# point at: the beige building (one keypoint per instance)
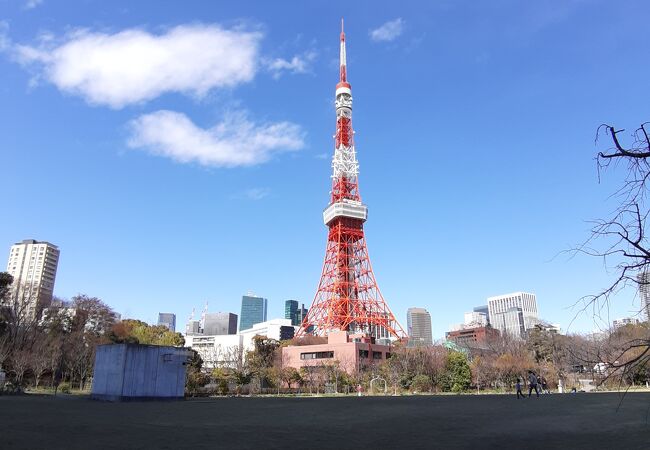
(33, 265)
(350, 352)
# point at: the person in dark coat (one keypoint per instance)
(532, 383)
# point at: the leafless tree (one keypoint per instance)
(620, 240)
(20, 364)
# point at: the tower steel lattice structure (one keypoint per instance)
(348, 298)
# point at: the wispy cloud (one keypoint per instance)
(253, 194)
(389, 31)
(235, 141)
(134, 66)
(297, 64)
(31, 4)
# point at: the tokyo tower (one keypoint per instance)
(347, 298)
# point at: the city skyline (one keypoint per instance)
(498, 109)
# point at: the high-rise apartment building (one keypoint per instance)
(643, 279)
(291, 311)
(33, 265)
(418, 323)
(168, 320)
(215, 324)
(253, 310)
(514, 313)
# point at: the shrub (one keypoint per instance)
(458, 375)
(421, 383)
(64, 388)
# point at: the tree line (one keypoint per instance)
(495, 365)
(57, 345)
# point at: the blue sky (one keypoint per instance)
(178, 153)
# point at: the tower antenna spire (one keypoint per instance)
(343, 69)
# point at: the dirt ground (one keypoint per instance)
(487, 421)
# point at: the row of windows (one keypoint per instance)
(317, 355)
(375, 355)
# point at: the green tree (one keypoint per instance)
(262, 358)
(458, 375)
(195, 378)
(5, 284)
(421, 383)
(138, 332)
(221, 378)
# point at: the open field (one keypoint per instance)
(485, 421)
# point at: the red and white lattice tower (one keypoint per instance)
(348, 298)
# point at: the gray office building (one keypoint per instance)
(253, 310)
(418, 322)
(168, 320)
(219, 323)
(193, 327)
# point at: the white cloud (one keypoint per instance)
(31, 4)
(235, 141)
(297, 64)
(134, 65)
(388, 31)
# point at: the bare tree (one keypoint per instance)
(620, 240)
(5, 349)
(20, 364)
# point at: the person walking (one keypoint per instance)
(532, 383)
(545, 388)
(518, 386)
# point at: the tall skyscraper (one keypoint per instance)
(291, 311)
(418, 323)
(514, 313)
(168, 320)
(219, 323)
(643, 279)
(253, 310)
(33, 265)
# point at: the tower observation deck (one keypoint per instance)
(347, 298)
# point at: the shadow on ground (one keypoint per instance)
(486, 421)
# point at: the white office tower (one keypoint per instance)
(514, 313)
(33, 265)
(418, 323)
(475, 319)
(643, 279)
